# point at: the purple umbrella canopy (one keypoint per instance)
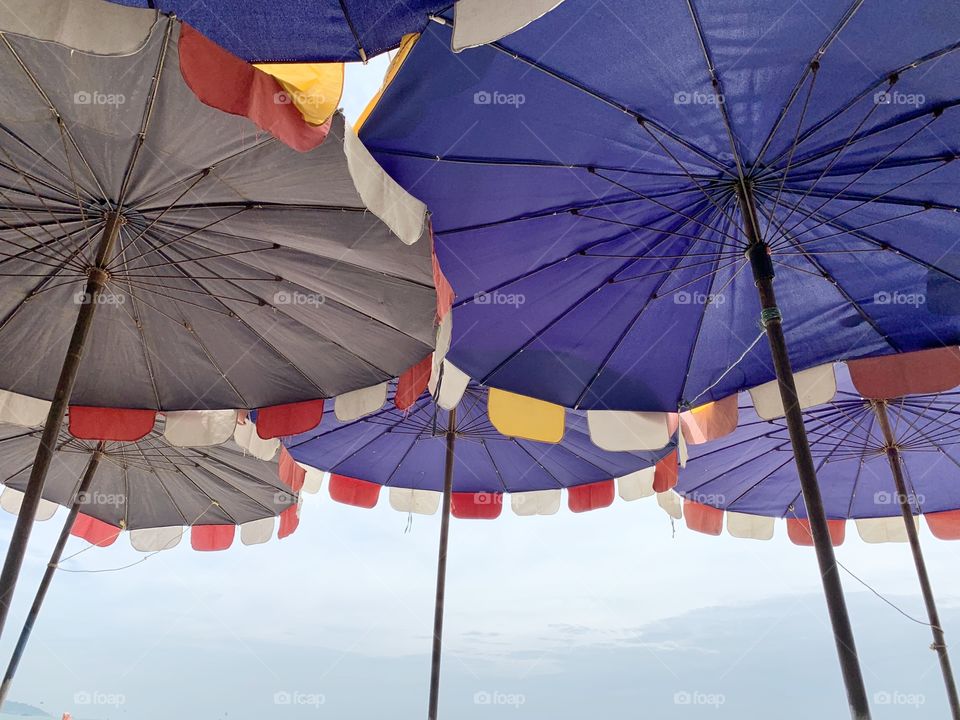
(405, 451)
(751, 470)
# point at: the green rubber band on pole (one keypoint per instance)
(767, 315)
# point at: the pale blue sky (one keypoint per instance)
(610, 614)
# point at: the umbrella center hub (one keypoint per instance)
(98, 275)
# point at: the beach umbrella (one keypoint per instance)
(883, 457)
(149, 488)
(456, 457)
(175, 236)
(288, 31)
(614, 186)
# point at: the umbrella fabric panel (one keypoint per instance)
(299, 31)
(407, 450)
(752, 470)
(149, 484)
(234, 284)
(632, 199)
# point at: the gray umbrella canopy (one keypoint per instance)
(159, 250)
(244, 273)
(149, 487)
(151, 483)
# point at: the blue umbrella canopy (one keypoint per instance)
(751, 470)
(407, 450)
(297, 31)
(292, 31)
(617, 189)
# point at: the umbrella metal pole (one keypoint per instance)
(442, 567)
(96, 280)
(48, 574)
(763, 274)
(939, 642)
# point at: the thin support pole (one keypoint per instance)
(939, 641)
(96, 280)
(763, 274)
(442, 567)
(52, 566)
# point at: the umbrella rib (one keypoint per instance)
(887, 164)
(822, 272)
(700, 323)
(233, 237)
(572, 209)
(885, 200)
(649, 198)
(717, 86)
(621, 267)
(40, 156)
(157, 248)
(213, 503)
(73, 178)
(223, 479)
(493, 462)
(138, 323)
(182, 323)
(807, 243)
(216, 460)
(862, 174)
(831, 222)
(38, 287)
(833, 161)
(57, 253)
(867, 202)
(620, 340)
(914, 429)
(610, 103)
(857, 137)
(812, 66)
(396, 469)
(516, 442)
(147, 112)
(552, 263)
(137, 205)
(738, 468)
(793, 147)
(36, 180)
(323, 393)
(154, 221)
(816, 127)
(503, 162)
(56, 261)
(751, 487)
(53, 109)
